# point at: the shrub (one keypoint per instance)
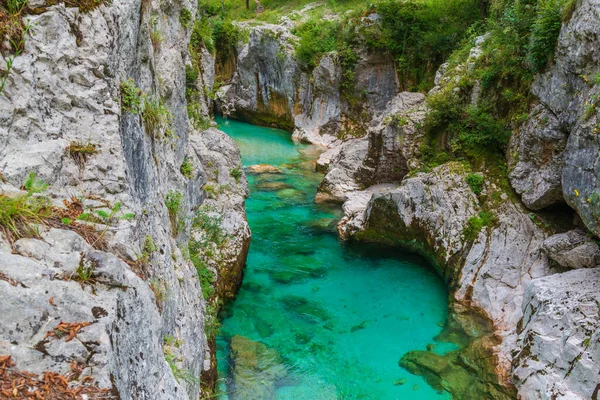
(476, 182)
(422, 35)
(544, 35)
(236, 173)
(131, 97)
(202, 34)
(173, 204)
(20, 214)
(157, 117)
(316, 39)
(476, 223)
(185, 17)
(187, 169)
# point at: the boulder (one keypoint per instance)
(573, 249)
(558, 344)
(536, 160)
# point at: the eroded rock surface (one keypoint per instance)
(63, 90)
(269, 86)
(537, 157)
(559, 346)
(573, 249)
(568, 92)
(385, 155)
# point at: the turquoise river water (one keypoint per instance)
(339, 316)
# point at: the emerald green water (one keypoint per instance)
(340, 316)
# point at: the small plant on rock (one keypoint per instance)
(80, 151)
(185, 17)
(236, 173)
(157, 117)
(156, 36)
(131, 97)
(173, 204)
(20, 215)
(187, 169)
(476, 182)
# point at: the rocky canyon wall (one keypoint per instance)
(128, 295)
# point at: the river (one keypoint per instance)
(317, 318)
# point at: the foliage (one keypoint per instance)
(157, 117)
(187, 169)
(476, 182)
(84, 272)
(170, 347)
(185, 17)
(212, 325)
(476, 223)
(14, 30)
(545, 30)
(227, 35)
(20, 214)
(173, 204)
(202, 34)
(316, 39)
(131, 97)
(421, 35)
(80, 151)
(236, 173)
(156, 36)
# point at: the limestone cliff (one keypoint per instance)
(111, 80)
(268, 85)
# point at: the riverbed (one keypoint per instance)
(318, 318)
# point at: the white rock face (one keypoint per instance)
(559, 343)
(573, 249)
(386, 154)
(536, 159)
(270, 86)
(65, 87)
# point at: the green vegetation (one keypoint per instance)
(131, 97)
(187, 169)
(201, 246)
(185, 17)
(316, 39)
(80, 151)
(20, 215)
(84, 272)
(156, 36)
(236, 173)
(476, 223)
(476, 182)
(157, 118)
(173, 204)
(170, 347)
(13, 31)
(421, 35)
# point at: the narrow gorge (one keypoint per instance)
(424, 225)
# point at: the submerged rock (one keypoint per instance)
(263, 168)
(255, 369)
(273, 186)
(305, 309)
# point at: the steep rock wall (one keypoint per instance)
(270, 86)
(143, 299)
